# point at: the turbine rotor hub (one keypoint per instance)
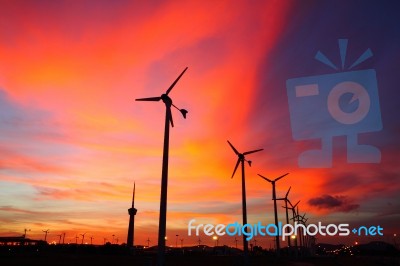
(166, 99)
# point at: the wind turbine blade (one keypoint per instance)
(234, 171)
(177, 79)
(233, 148)
(294, 206)
(290, 203)
(150, 99)
(248, 152)
(282, 176)
(265, 178)
(287, 193)
(170, 117)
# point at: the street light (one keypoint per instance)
(215, 238)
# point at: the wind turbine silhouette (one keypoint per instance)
(275, 210)
(83, 237)
(301, 231)
(164, 177)
(45, 234)
(286, 207)
(293, 208)
(241, 160)
(301, 219)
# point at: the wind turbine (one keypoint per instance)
(83, 237)
(301, 219)
(241, 160)
(164, 177)
(275, 210)
(298, 219)
(305, 237)
(293, 208)
(45, 234)
(287, 211)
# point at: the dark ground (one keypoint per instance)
(12, 256)
(87, 259)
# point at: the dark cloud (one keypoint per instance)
(336, 203)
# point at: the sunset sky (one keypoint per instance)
(73, 140)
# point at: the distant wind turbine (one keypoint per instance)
(300, 219)
(45, 234)
(287, 210)
(293, 208)
(164, 179)
(275, 209)
(83, 237)
(241, 160)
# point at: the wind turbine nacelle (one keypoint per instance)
(166, 99)
(132, 211)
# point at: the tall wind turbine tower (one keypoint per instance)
(132, 212)
(241, 160)
(162, 225)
